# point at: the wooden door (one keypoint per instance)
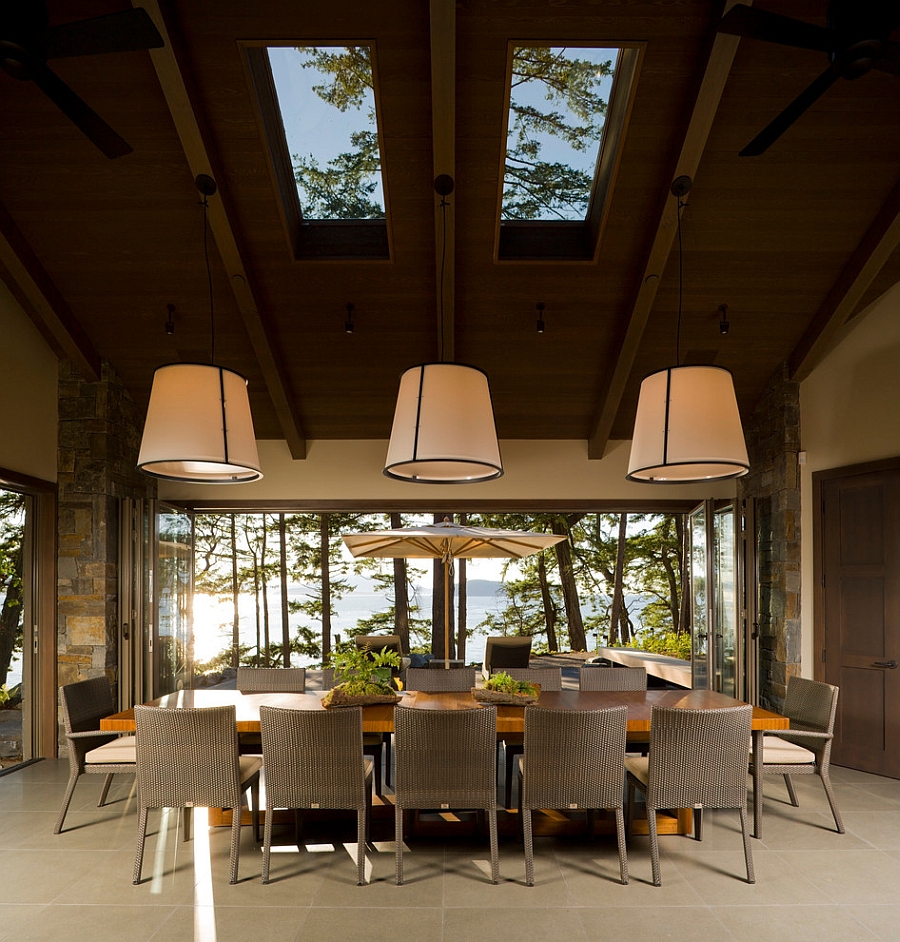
(858, 615)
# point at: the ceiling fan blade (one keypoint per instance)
(751, 23)
(889, 60)
(127, 31)
(776, 128)
(81, 114)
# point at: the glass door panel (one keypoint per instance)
(699, 589)
(173, 646)
(725, 658)
(16, 641)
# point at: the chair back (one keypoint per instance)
(445, 758)
(574, 758)
(379, 643)
(440, 680)
(699, 757)
(187, 757)
(271, 679)
(313, 758)
(612, 678)
(550, 678)
(811, 706)
(506, 651)
(84, 704)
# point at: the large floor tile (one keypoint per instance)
(422, 923)
(684, 923)
(792, 923)
(882, 920)
(96, 923)
(232, 924)
(851, 876)
(523, 925)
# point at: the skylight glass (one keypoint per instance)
(558, 102)
(326, 95)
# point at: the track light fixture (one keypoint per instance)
(348, 324)
(540, 317)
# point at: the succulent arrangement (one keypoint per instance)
(503, 683)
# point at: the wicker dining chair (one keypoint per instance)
(698, 758)
(187, 758)
(375, 745)
(440, 680)
(314, 759)
(806, 748)
(271, 679)
(91, 751)
(445, 759)
(573, 759)
(550, 679)
(503, 651)
(612, 678)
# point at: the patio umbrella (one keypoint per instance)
(448, 541)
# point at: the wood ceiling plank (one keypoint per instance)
(33, 288)
(705, 106)
(873, 251)
(184, 114)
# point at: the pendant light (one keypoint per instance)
(199, 428)
(688, 427)
(443, 431)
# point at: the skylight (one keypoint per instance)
(556, 127)
(326, 99)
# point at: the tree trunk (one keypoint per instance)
(550, 613)
(672, 575)
(11, 616)
(684, 622)
(265, 588)
(615, 611)
(401, 594)
(461, 604)
(437, 607)
(324, 549)
(285, 613)
(236, 623)
(577, 640)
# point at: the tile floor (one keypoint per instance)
(812, 884)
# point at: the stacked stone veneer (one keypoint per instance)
(773, 443)
(99, 438)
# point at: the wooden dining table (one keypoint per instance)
(510, 719)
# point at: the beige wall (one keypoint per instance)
(850, 413)
(28, 382)
(534, 470)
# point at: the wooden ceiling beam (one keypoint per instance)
(706, 104)
(873, 251)
(34, 289)
(443, 131)
(185, 115)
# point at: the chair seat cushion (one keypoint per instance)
(778, 751)
(250, 765)
(639, 767)
(118, 752)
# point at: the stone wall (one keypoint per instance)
(99, 438)
(773, 443)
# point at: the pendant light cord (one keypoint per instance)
(679, 210)
(209, 284)
(443, 205)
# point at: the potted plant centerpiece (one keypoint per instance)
(503, 689)
(362, 677)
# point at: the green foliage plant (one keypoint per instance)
(503, 683)
(663, 642)
(363, 672)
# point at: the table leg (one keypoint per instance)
(757, 740)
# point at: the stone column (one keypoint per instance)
(773, 443)
(99, 438)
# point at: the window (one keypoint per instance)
(566, 111)
(318, 110)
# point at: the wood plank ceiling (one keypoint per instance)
(795, 242)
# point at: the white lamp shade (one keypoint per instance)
(687, 428)
(443, 429)
(198, 427)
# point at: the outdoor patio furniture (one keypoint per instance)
(612, 678)
(313, 759)
(698, 758)
(446, 759)
(505, 651)
(271, 679)
(189, 757)
(811, 707)
(435, 681)
(91, 752)
(550, 679)
(573, 760)
(384, 643)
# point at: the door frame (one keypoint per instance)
(818, 480)
(39, 628)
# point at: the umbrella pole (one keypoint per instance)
(446, 614)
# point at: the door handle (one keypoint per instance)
(891, 665)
